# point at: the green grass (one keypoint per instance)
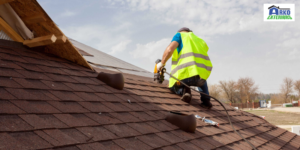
(277, 117)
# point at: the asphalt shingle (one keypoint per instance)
(61, 105)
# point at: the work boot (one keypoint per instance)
(186, 97)
(206, 104)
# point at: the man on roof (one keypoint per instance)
(190, 64)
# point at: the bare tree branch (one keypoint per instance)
(229, 88)
(247, 89)
(286, 88)
(214, 90)
(297, 87)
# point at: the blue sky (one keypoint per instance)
(138, 31)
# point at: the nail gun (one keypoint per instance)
(159, 74)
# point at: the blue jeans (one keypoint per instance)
(192, 81)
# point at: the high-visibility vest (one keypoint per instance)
(192, 60)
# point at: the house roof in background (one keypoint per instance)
(51, 103)
(105, 61)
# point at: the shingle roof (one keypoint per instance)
(103, 58)
(50, 103)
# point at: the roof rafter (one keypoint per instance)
(10, 31)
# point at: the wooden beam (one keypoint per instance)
(10, 31)
(5, 1)
(40, 41)
(61, 39)
(34, 19)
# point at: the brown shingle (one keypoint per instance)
(6, 72)
(60, 136)
(103, 118)
(74, 121)
(47, 137)
(188, 145)
(32, 84)
(9, 64)
(12, 58)
(153, 140)
(118, 107)
(26, 94)
(35, 121)
(13, 123)
(32, 75)
(68, 107)
(35, 106)
(99, 88)
(88, 96)
(56, 85)
(105, 145)
(76, 134)
(160, 125)
(95, 107)
(132, 143)
(5, 95)
(172, 147)
(125, 117)
(83, 80)
(142, 116)
(7, 107)
(66, 96)
(9, 82)
(143, 127)
(62, 78)
(122, 130)
(79, 87)
(29, 140)
(29, 67)
(52, 70)
(97, 133)
(170, 137)
(109, 97)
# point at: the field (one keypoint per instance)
(277, 117)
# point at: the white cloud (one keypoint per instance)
(119, 47)
(152, 50)
(68, 13)
(210, 18)
(99, 36)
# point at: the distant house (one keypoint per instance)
(273, 10)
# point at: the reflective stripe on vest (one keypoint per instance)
(190, 64)
(188, 55)
(192, 59)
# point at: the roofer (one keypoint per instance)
(190, 64)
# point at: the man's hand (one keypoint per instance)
(160, 66)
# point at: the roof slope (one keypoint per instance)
(103, 58)
(50, 103)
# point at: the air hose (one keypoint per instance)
(164, 70)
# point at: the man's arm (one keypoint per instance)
(169, 51)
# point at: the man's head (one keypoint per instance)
(184, 29)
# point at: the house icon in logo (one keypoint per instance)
(273, 10)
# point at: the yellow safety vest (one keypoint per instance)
(192, 59)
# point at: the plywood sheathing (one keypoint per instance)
(30, 8)
(5, 1)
